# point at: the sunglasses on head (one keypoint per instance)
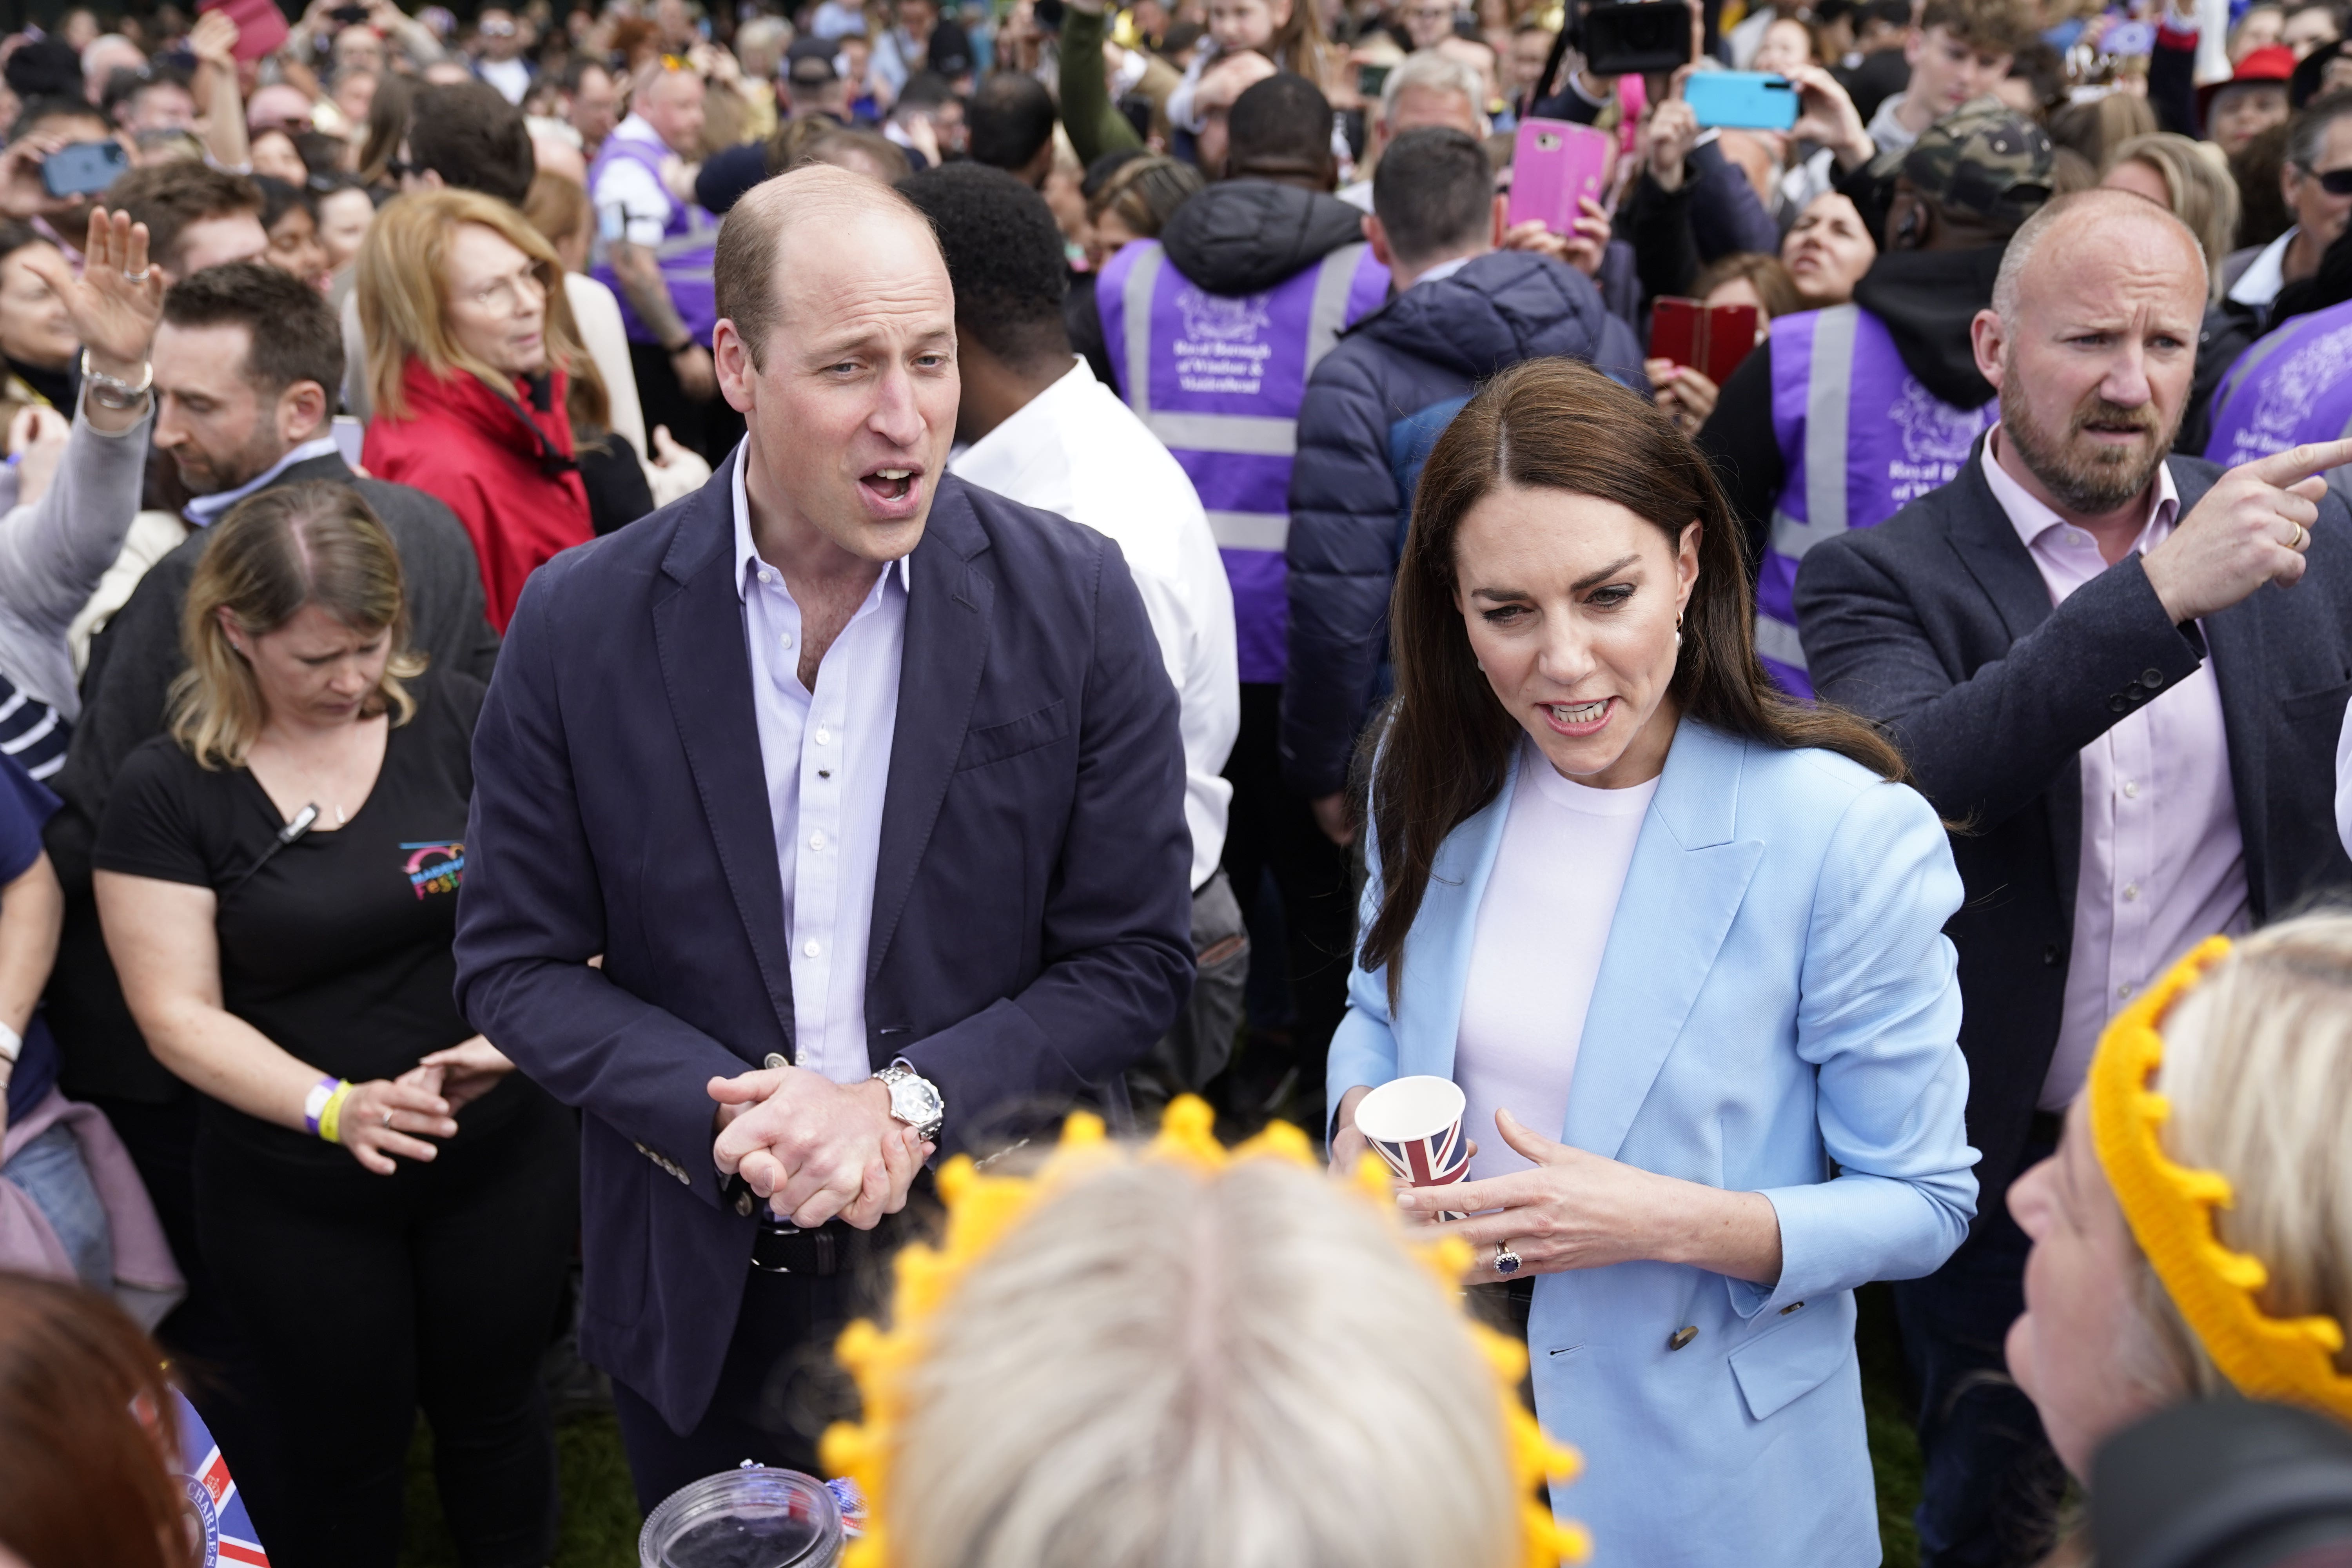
(2335, 182)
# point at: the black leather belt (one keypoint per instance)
(788, 1249)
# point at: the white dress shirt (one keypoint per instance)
(827, 758)
(204, 510)
(2163, 867)
(1075, 449)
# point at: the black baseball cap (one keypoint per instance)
(809, 62)
(950, 51)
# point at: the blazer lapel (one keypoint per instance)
(949, 602)
(1437, 952)
(1682, 892)
(1988, 545)
(707, 673)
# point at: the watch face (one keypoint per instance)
(915, 1101)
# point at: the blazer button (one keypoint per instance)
(1790, 1308)
(743, 1204)
(775, 1060)
(2050, 955)
(2151, 679)
(2119, 704)
(1682, 1336)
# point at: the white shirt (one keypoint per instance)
(1075, 449)
(2344, 782)
(1543, 925)
(204, 510)
(631, 202)
(2265, 275)
(1888, 132)
(2162, 865)
(827, 758)
(511, 78)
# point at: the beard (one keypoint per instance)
(205, 473)
(2083, 476)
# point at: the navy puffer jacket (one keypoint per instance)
(1373, 408)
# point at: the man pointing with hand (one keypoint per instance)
(2124, 672)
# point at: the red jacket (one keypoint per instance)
(511, 483)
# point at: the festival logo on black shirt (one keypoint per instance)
(435, 868)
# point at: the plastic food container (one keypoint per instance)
(748, 1518)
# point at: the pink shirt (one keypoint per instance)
(2163, 867)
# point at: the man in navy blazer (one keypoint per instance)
(865, 785)
(2118, 673)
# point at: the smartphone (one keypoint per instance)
(348, 16)
(1629, 39)
(1553, 162)
(83, 168)
(1370, 80)
(1709, 339)
(1742, 101)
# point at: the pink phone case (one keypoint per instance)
(1554, 163)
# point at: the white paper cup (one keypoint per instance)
(1415, 1125)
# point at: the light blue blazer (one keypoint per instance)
(1776, 1011)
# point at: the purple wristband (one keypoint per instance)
(315, 1102)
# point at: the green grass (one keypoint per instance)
(600, 1519)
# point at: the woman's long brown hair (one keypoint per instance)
(1555, 423)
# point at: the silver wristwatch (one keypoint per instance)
(113, 392)
(914, 1099)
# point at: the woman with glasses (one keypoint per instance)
(471, 354)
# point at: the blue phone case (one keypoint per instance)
(1742, 101)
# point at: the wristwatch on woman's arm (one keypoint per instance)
(914, 1099)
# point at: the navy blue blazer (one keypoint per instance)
(1032, 913)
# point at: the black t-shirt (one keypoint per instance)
(337, 947)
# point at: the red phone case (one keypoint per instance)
(1709, 339)
(260, 25)
(1554, 163)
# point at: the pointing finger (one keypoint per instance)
(2284, 468)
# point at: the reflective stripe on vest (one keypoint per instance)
(1860, 438)
(2293, 386)
(1236, 435)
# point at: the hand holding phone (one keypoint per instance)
(1709, 339)
(1554, 166)
(1742, 101)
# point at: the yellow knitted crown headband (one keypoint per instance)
(2171, 1210)
(984, 1207)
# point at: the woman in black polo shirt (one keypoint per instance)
(388, 1205)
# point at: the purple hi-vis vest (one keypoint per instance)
(1859, 437)
(690, 237)
(1219, 379)
(2293, 386)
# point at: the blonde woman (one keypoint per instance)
(1176, 1361)
(2191, 179)
(471, 355)
(388, 1209)
(2250, 1047)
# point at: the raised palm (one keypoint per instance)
(116, 302)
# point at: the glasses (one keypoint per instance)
(496, 29)
(2335, 182)
(511, 296)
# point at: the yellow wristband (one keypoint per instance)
(331, 1115)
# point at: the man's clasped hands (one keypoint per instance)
(813, 1148)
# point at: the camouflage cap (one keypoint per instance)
(1983, 158)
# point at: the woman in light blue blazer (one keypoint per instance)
(1681, 943)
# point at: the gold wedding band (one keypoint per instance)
(2302, 537)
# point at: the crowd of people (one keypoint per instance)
(742, 614)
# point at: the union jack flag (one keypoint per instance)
(227, 1531)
